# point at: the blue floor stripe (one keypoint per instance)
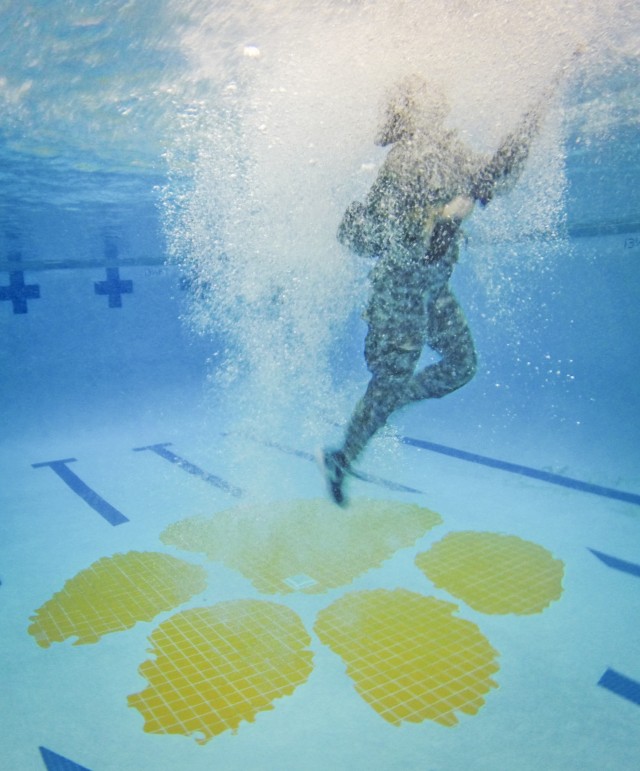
(621, 685)
(374, 480)
(617, 564)
(389, 484)
(514, 468)
(55, 762)
(89, 496)
(212, 479)
(369, 478)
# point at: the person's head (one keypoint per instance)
(412, 104)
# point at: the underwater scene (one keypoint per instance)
(320, 385)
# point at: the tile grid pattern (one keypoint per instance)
(217, 666)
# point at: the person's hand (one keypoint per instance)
(352, 223)
(458, 208)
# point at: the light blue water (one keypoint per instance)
(141, 141)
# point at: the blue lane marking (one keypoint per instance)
(55, 762)
(97, 503)
(161, 450)
(621, 685)
(390, 485)
(514, 468)
(370, 478)
(617, 564)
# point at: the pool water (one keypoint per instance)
(177, 590)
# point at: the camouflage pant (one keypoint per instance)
(392, 350)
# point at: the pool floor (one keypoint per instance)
(456, 615)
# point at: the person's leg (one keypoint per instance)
(449, 335)
(391, 369)
(391, 350)
(393, 384)
(384, 395)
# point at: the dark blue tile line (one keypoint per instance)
(390, 485)
(55, 762)
(74, 264)
(161, 450)
(369, 478)
(514, 468)
(106, 510)
(621, 685)
(617, 564)
(603, 229)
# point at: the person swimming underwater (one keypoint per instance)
(410, 223)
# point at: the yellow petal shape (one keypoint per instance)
(115, 593)
(494, 573)
(409, 657)
(219, 665)
(305, 545)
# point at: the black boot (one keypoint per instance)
(335, 467)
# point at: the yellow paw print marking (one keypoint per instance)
(217, 666)
(409, 656)
(114, 594)
(310, 545)
(494, 573)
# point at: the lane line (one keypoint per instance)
(514, 468)
(161, 450)
(621, 685)
(617, 564)
(89, 496)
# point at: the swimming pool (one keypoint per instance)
(181, 332)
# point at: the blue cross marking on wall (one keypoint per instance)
(19, 292)
(114, 287)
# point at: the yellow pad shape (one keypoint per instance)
(115, 593)
(306, 545)
(494, 573)
(408, 656)
(217, 666)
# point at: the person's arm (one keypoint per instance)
(506, 166)
(353, 232)
(508, 163)
(447, 226)
(365, 226)
(458, 209)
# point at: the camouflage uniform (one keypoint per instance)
(411, 303)
(393, 346)
(410, 221)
